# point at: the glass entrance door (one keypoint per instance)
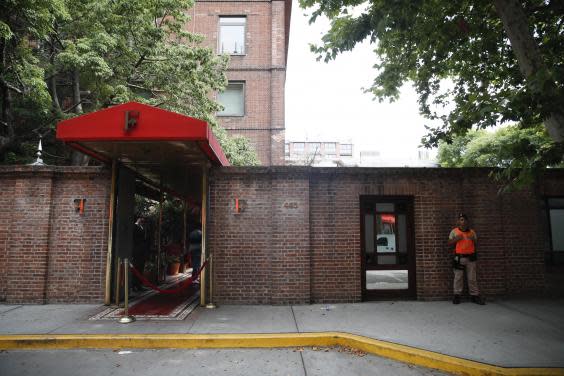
(388, 256)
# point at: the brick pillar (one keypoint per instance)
(28, 245)
(6, 209)
(291, 253)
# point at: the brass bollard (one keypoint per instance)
(126, 318)
(210, 305)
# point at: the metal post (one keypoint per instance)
(109, 255)
(159, 230)
(126, 318)
(118, 281)
(203, 218)
(210, 304)
(184, 231)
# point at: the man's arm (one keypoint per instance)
(453, 238)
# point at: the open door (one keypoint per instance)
(387, 248)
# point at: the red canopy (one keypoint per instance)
(164, 147)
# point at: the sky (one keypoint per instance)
(326, 101)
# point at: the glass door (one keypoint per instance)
(388, 256)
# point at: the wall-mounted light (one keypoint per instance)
(79, 205)
(240, 206)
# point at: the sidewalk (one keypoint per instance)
(506, 333)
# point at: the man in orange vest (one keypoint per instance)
(465, 241)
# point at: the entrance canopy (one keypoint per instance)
(165, 147)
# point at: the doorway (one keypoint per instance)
(387, 248)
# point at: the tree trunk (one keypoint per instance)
(8, 135)
(77, 158)
(529, 58)
(53, 80)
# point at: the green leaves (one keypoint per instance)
(98, 53)
(458, 57)
(519, 152)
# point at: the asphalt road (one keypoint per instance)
(232, 362)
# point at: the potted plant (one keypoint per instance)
(173, 264)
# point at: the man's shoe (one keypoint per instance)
(456, 299)
(478, 300)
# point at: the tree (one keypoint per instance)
(24, 97)
(518, 152)
(98, 53)
(504, 59)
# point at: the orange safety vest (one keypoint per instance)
(466, 245)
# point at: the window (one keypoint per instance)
(232, 35)
(346, 149)
(232, 99)
(331, 149)
(314, 148)
(287, 149)
(556, 223)
(299, 148)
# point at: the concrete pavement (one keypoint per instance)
(505, 333)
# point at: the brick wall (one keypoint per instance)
(296, 241)
(48, 252)
(263, 252)
(262, 68)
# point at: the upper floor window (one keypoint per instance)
(232, 35)
(232, 99)
(330, 149)
(299, 148)
(346, 149)
(314, 148)
(287, 149)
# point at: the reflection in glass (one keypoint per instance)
(402, 233)
(385, 233)
(386, 279)
(385, 207)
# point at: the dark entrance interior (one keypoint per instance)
(387, 248)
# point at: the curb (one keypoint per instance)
(402, 353)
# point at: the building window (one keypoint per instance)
(314, 148)
(299, 148)
(331, 149)
(556, 223)
(346, 149)
(287, 149)
(232, 35)
(232, 99)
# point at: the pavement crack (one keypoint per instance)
(10, 310)
(295, 321)
(303, 363)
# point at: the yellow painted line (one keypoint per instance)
(385, 349)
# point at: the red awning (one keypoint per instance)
(158, 144)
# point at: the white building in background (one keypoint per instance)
(342, 154)
(417, 158)
(319, 153)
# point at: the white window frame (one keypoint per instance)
(233, 23)
(243, 93)
(298, 151)
(347, 153)
(333, 152)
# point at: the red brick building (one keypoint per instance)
(255, 35)
(300, 235)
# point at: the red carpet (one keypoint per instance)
(157, 306)
(163, 304)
